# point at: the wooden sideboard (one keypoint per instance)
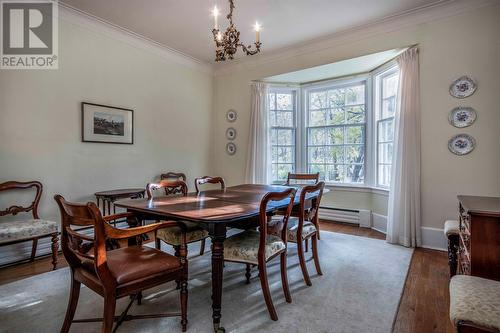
(479, 247)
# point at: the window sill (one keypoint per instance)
(358, 188)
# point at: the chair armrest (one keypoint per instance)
(113, 217)
(115, 233)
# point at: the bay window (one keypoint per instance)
(343, 129)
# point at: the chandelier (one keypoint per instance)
(227, 42)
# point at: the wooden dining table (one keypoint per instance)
(215, 210)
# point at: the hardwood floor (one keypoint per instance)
(423, 308)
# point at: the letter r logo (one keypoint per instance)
(27, 28)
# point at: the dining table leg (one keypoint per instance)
(217, 233)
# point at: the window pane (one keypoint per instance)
(355, 134)
(317, 100)
(274, 137)
(384, 175)
(274, 171)
(390, 85)
(284, 119)
(272, 101)
(386, 130)
(272, 118)
(388, 107)
(355, 114)
(334, 155)
(283, 170)
(316, 154)
(313, 168)
(335, 173)
(317, 118)
(355, 95)
(316, 136)
(285, 154)
(385, 153)
(285, 137)
(335, 136)
(355, 154)
(284, 101)
(336, 98)
(336, 117)
(355, 173)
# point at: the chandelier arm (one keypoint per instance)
(248, 49)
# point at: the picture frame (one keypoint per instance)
(107, 124)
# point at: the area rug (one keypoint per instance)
(359, 291)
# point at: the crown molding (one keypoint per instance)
(83, 19)
(432, 12)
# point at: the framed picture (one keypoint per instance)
(107, 124)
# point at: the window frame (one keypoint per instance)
(331, 85)
(379, 75)
(276, 89)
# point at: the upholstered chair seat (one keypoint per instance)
(244, 247)
(475, 301)
(18, 230)
(293, 224)
(172, 236)
(451, 227)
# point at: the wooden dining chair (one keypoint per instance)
(302, 178)
(252, 247)
(117, 273)
(208, 180)
(173, 176)
(301, 228)
(172, 236)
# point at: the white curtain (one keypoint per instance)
(403, 218)
(259, 157)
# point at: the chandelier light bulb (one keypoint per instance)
(257, 27)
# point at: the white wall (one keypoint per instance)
(450, 47)
(40, 118)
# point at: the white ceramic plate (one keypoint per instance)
(461, 144)
(463, 87)
(231, 116)
(462, 116)
(231, 148)
(231, 133)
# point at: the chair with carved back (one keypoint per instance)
(302, 228)
(198, 182)
(118, 273)
(12, 232)
(169, 176)
(256, 248)
(171, 236)
(304, 179)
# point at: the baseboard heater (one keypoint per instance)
(362, 217)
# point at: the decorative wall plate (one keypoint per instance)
(461, 144)
(462, 116)
(231, 133)
(231, 148)
(231, 115)
(463, 87)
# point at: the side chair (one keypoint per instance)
(28, 229)
(117, 273)
(301, 228)
(208, 180)
(172, 236)
(256, 248)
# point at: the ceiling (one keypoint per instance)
(185, 25)
(337, 69)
